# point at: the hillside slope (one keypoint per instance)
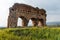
(30, 33)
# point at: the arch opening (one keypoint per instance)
(19, 22)
(24, 21)
(34, 21)
(40, 22)
(30, 23)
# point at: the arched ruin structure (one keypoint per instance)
(26, 12)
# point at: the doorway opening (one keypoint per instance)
(19, 22)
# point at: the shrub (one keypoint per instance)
(30, 33)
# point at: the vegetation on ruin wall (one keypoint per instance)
(33, 33)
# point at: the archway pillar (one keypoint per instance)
(34, 22)
(24, 22)
(12, 22)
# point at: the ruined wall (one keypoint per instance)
(26, 12)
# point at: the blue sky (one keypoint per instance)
(51, 6)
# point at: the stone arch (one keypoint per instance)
(12, 22)
(24, 21)
(26, 12)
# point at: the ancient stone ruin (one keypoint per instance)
(26, 12)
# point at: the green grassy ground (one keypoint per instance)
(33, 33)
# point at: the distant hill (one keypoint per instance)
(53, 23)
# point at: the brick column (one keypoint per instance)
(12, 22)
(24, 22)
(34, 21)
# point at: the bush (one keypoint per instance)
(30, 34)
